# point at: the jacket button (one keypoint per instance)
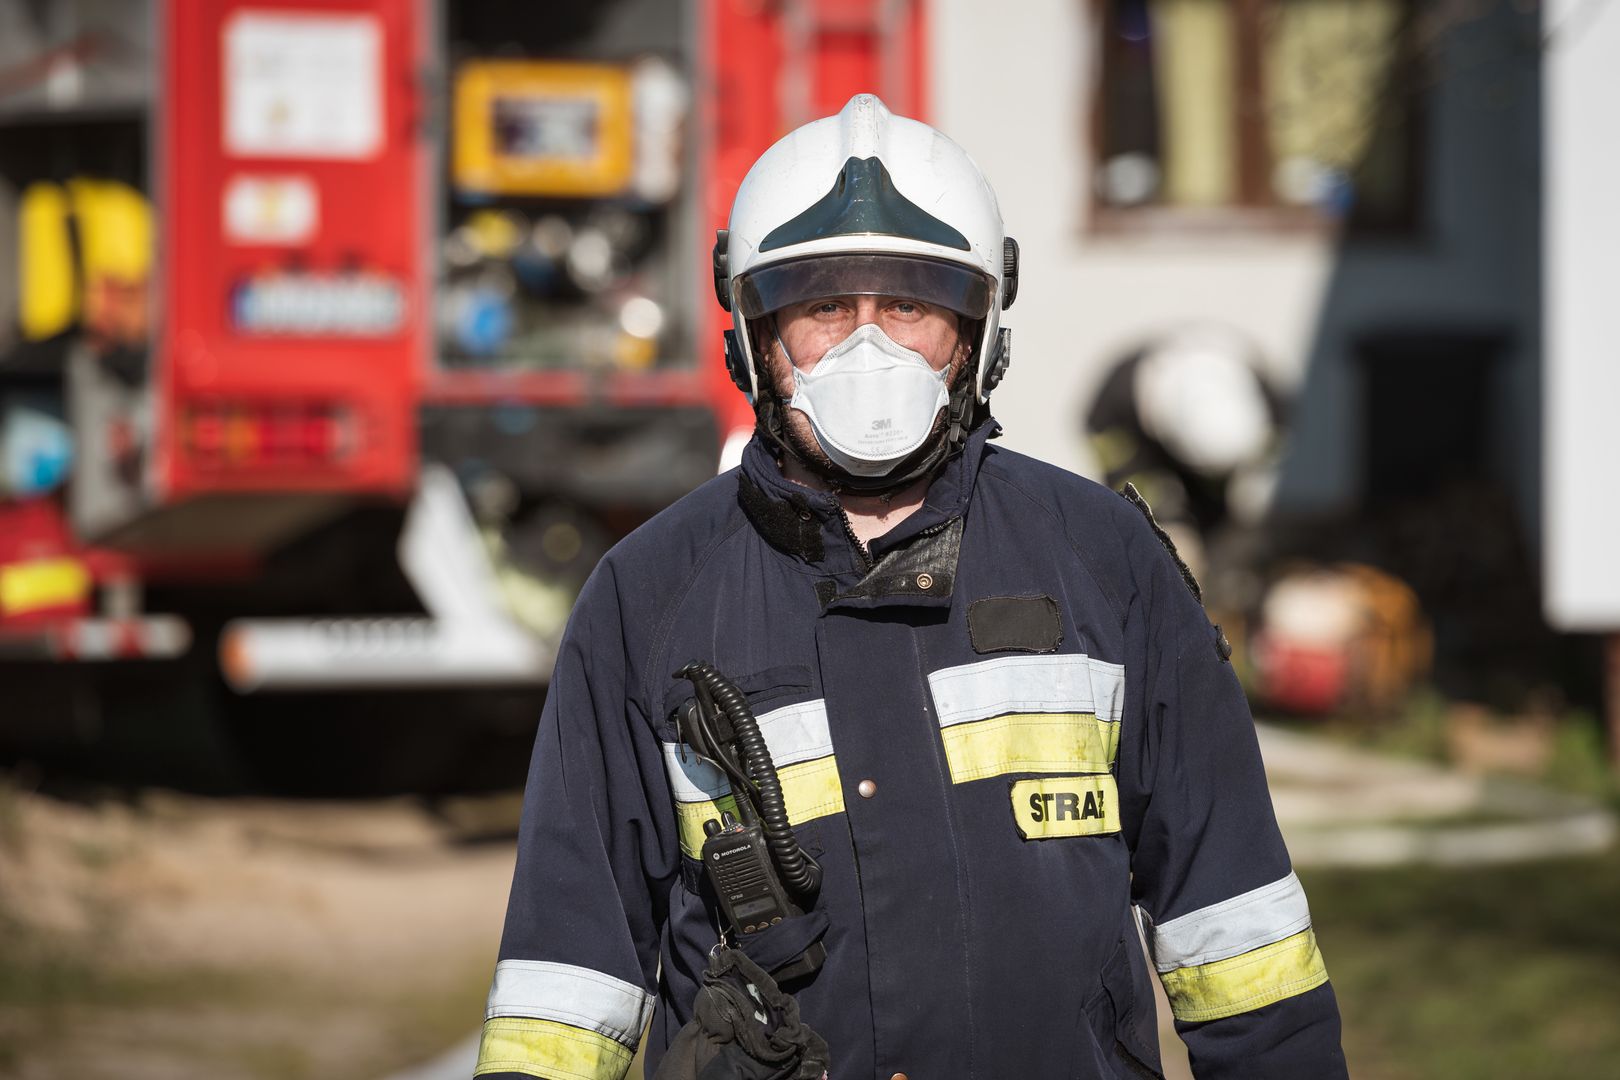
(925, 581)
(805, 515)
(867, 788)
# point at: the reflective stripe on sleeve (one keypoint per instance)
(1240, 954)
(801, 747)
(1246, 921)
(1028, 684)
(545, 1048)
(1240, 984)
(576, 996)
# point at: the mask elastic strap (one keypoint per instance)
(776, 332)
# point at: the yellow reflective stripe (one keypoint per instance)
(551, 1050)
(1066, 806)
(42, 583)
(690, 817)
(1246, 982)
(1030, 742)
(810, 789)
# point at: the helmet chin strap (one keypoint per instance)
(770, 414)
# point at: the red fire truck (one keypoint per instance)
(338, 338)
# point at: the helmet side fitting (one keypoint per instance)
(786, 224)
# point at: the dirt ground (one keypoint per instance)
(160, 935)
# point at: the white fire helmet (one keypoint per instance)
(1198, 391)
(866, 202)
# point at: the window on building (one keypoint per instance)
(1270, 112)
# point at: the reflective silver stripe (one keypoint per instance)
(1229, 928)
(794, 733)
(1028, 684)
(797, 733)
(570, 995)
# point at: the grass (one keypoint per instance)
(1580, 761)
(1446, 974)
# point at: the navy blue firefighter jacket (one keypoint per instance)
(1007, 733)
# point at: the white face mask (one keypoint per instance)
(870, 401)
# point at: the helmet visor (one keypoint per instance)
(933, 281)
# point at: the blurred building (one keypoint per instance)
(1356, 188)
(1345, 181)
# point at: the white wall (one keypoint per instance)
(1582, 516)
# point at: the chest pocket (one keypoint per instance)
(801, 748)
(1056, 716)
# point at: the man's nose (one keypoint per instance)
(866, 310)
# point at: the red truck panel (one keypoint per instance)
(291, 194)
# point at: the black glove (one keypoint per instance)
(744, 1027)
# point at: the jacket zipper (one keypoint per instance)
(849, 531)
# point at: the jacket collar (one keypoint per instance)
(810, 526)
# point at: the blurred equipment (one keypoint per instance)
(36, 449)
(428, 271)
(1336, 637)
(50, 295)
(114, 227)
(565, 195)
(85, 252)
(467, 638)
(527, 127)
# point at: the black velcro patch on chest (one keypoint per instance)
(1015, 623)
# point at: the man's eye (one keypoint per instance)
(907, 307)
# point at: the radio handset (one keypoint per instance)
(759, 874)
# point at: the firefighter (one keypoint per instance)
(1002, 725)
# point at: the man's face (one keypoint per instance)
(810, 328)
